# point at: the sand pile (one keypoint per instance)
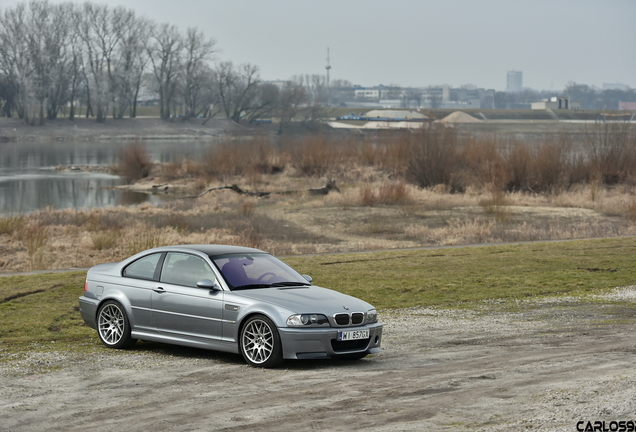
(459, 117)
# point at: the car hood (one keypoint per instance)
(307, 299)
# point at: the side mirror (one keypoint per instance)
(309, 278)
(208, 284)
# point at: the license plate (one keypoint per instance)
(353, 335)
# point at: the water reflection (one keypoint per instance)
(29, 181)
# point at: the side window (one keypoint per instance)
(143, 268)
(185, 269)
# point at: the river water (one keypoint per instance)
(29, 180)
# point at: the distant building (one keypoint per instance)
(368, 93)
(556, 103)
(514, 81)
(435, 95)
(627, 106)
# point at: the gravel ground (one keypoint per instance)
(546, 364)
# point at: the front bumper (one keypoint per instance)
(309, 343)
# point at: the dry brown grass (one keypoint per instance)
(10, 224)
(34, 235)
(144, 239)
(394, 193)
(106, 239)
(630, 211)
(304, 224)
(367, 195)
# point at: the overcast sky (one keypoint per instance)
(416, 42)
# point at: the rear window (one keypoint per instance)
(143, 268)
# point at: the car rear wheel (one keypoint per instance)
(113, 326)
(260, 342)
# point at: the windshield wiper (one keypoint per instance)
(250, 286)
(275, 284)
(290, 284)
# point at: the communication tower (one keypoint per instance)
(328, 67)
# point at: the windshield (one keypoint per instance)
(250, 271)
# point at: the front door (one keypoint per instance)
(182, 309)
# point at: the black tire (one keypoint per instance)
(259, 342)
(113, 326)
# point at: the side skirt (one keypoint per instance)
(230, 347)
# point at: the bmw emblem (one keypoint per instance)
(346, 307)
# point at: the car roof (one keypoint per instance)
(209, 249)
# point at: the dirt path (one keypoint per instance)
(544, 364)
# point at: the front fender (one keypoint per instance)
(277, 314)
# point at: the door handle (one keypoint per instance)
(159, 290)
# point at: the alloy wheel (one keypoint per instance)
(111, 324)
(258, 341)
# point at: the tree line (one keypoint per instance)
(55, 58)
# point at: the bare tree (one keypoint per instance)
(265, 102)
(129, 62)
(100, 39)
(53, 62)
(292, 97)
(237, 88)
(198, 52)
(54, 55)
(164, 50)
(75, 48)
(14, 57)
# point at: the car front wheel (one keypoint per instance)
(113, 326)
(260, 342)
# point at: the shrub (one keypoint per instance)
(434, 157)
(367, 196)
(133, 162)
(611, 149)
(551, 166)
(314, 156)
(484, 164)
(519, 163)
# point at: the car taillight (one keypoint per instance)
(85, 286)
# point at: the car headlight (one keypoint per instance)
(372, 316)
(301, 320)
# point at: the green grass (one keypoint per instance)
(43, 309)
(400, 279)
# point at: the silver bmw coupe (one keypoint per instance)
(226, 298)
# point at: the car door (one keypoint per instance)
(139, 279)
(179, 307)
